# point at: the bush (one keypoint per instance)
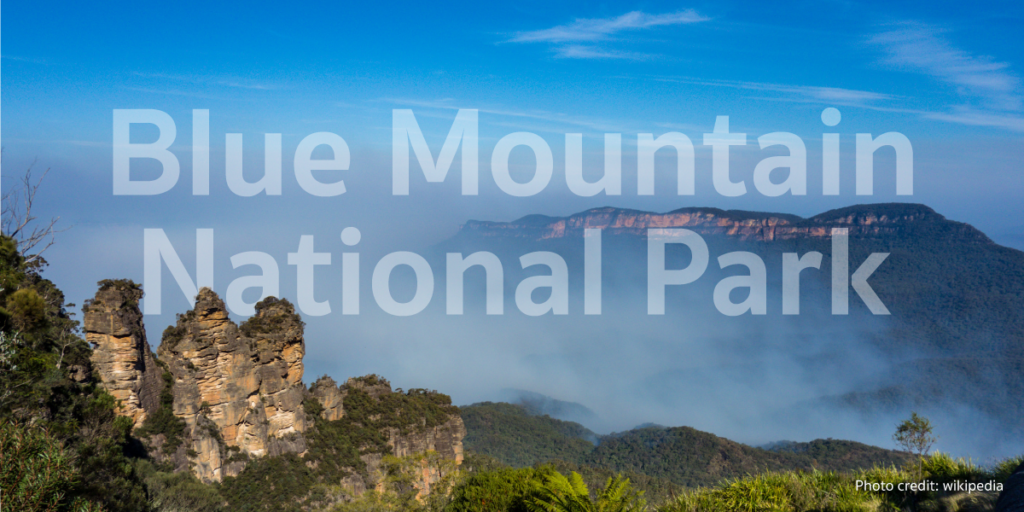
(780, 491)
(1002, 470)
(36, 472)
(940, 467)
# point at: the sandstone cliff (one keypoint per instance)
(121, 358)
(223, 396)
(237, 388)
(413, 423)
(869, 220)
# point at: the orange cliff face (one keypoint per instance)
(868, 220)
(121, 358)
(246, 381)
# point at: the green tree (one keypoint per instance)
(915, 435)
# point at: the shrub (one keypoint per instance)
(940, 467)
(1004, 469)
(780, 491)
(36, 472)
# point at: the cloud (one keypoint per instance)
(232, 82)
(817, 94)
(566, 38)
(23, 59)
(594, 52)
(920, 48)
(601, 29)
(557, 118)
(973, 117)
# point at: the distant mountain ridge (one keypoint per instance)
(537, 404)
(681, 455)
(953, 345)
(876, 219)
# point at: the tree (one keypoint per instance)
(915, 435)
(19, 220)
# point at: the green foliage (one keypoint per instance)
(27, 309)
(542, 488)
(504, 490)
(178, 492)
(779, 492)
(267, 321)
(1003, 469)
(37, 473)
(915, 434)
(570, 494)
(407, 411)
(400, 485)
(658, 459)
(335, 448)
(508, 433)
(38, 389)
(656, 490)
(941, 467)
(844, 456)
(270, 483)
(173, 334)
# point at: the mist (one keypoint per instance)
(754, 380)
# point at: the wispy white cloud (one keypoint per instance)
(921, 48)
(23, 59)
(830, 95)
(603, 28)
(555, 118)
(232, 82)
(576, 51)
(577, 40)
(974, 117)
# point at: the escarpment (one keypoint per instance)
(223, 396)
(880, 220)
(121, 357)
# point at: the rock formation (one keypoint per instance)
(326, 391)
(237, 387)
(236, 394)
(1012, 497)
(121, 357)
(437, 438)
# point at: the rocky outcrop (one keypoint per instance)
(434, 439)
(326, 391)
(868, 220)
(121, 357)
(445, 439)
(241, 385)
(221, 394)
(1012, 497)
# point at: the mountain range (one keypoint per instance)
(952, 345)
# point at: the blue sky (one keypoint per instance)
(947, 75)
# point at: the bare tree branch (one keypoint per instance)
(18, 222)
